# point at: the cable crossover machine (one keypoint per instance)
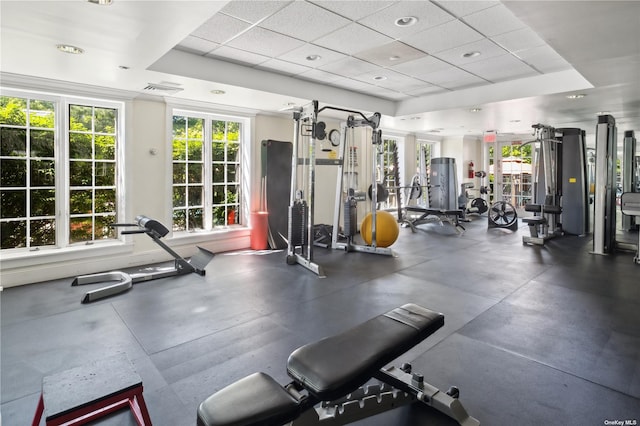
(300, 242)
(124, 281)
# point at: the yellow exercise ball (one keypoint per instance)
(387, 229)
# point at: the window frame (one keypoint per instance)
(62, 186)
(244, 140)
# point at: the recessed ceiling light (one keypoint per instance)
(475, 109)
(67, 48)
(471, 54)
(406, 21)
(101, 2)
(123, 67)
(416, 118)
(379, 78)
(514, 121)
(218, 92)
(394, 58)
(578, 96)
(313, 57)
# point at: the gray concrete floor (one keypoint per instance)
(533, 335)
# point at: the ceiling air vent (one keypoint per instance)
(162, 89)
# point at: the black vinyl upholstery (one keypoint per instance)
(256, 400)
(328, 369)
(337, 365)
(152, 225)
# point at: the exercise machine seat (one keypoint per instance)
(540, 208)
(152, 225)
(255, 400)
(335, 366)
(534, 220)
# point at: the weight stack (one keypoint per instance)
(350, 217)
(298, 223)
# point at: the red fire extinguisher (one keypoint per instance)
(471, 173)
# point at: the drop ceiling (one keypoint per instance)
(514, 61)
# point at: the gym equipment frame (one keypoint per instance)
(350, 203)
(604, 218)
(544, 224)
(629, 177)
(443, 201)
(124, 281)
(300, 230)
(328, 378)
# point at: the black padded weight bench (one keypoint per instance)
(419, 215)
(542, 226)
(328, 378)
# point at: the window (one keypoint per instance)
(512, 180)
(206, 171)
(391, 172)
(92, 173)
(27, 169)
(58, 168)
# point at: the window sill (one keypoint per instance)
(26, 267)
(20, 259)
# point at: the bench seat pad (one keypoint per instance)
(534, 220)
(334, 366)
(435, 212)
(256, 400)
(547, 208)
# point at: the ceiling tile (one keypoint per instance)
(352, 38)
(237, 55)
(500, 68)
(382, 92)
(464, 83)
(349, 67)
(428, 14)
(299, 56)
(409, 87)
(390, 54)
(544, 59)
(265, 42)
(220, 28)
(464, 8)
(319, 75)
(451, 74)
(304, 21)
(391, 79)
(517, 40)
(421, 67)
(196, 45)
(282, 67)
(252, 11)
(353, 9)
(351, 84)
(446, 36)
(486, 47)
(425, 90)
(495, 20)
